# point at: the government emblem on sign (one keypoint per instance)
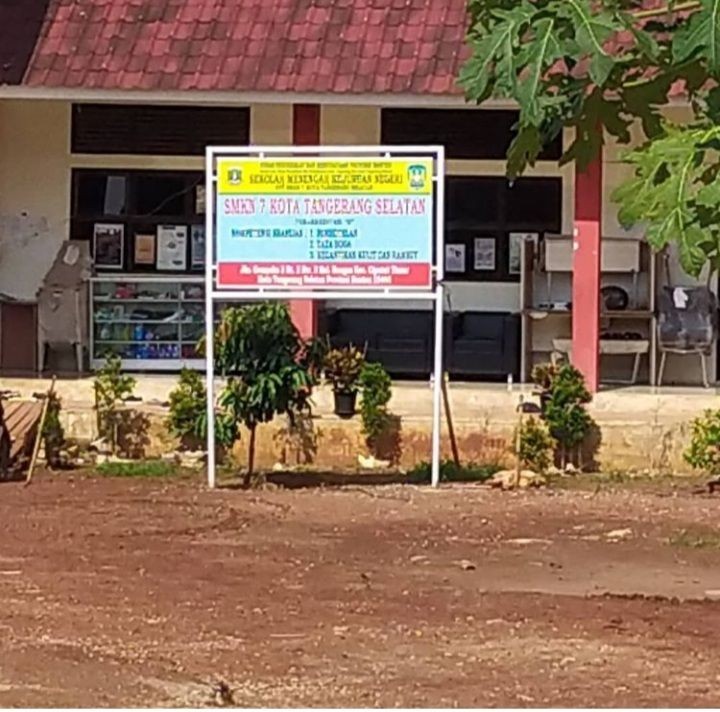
(418, 177)
(234, 176)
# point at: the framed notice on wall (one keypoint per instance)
(484, 257)
(197, 246)
(109, 245)
(172, 247)
(144, 250)
(455, 258)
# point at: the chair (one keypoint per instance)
(687, 324)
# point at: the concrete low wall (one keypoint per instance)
(642, 429)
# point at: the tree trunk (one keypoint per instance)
(251, 457)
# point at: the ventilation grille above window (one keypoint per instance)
(480, 134)
(156, 130)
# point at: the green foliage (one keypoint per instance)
(188, 413)
(543, 375)
(376, 388)
(112, 389)
(703, 453)
(450, 472)
(585, 64)
(699, 37)
(676, 192)
(141, 468)
(696, 538)
(53, 433)
(564, 397)
(536, 446)
(342, 368)
(598, 66)
(270, 369)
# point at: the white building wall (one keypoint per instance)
(35, 180)
(34, 192)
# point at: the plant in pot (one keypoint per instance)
(342, 367)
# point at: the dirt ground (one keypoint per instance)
(145, 593)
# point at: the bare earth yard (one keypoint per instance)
(143, 593)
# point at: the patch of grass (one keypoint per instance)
(622, 480)
(450, 472)
(696, 539)
(139, 468)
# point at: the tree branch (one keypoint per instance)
(659, 11)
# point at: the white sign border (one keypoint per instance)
(213, 293)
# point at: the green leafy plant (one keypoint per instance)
(188, 408)
(112, 388)
(142, 468)
(53, 433)
(376, 386)
(342, 368)
(270, 369)
(188, 414)
(563, 400)
(703, 452)
(676, 192)
(536, 446)
(543, 375)
(599, 67)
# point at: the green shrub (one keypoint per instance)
(563, 400)
(139, 468)
(112, 389)
(188, 414)
(188, 408)
(343, 367)
(703, 453)
(376, 386)
(450, 472)
(536, 446)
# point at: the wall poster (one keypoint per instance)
(197, 246)
(485, 257)
(109, 245)
(144, 250)
(455, 258)
(172, 247)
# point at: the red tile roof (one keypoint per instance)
(314, 46)
(306, 46)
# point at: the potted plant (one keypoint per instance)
(342, 367)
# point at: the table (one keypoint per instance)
(609, 347)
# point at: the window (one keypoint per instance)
(122, 205)
(156, 130)
(479, 134)
(480, 215)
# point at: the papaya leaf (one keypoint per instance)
(523, 151)
(699, 36)
(478, 74)
(592, 30)
(675, 193)
(713, 104)
(543, 53)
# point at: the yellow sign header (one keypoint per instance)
(274, 176)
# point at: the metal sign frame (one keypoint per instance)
(254, 293)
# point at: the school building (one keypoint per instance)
(106, 107)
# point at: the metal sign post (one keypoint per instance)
(324, 222)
